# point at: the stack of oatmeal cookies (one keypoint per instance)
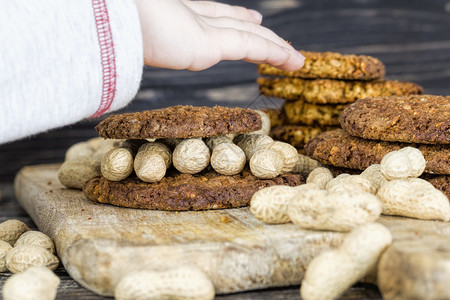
(189, 158)
(315, 95)
(373, 127)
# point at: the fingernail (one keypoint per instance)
(300, 55)
(257, 15)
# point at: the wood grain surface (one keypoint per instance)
(411, 37)
(99, 244)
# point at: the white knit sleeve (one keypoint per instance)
(62, 61)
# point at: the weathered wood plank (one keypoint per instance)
(239, 255)
(410, 37)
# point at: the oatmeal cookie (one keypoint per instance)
(206, 190)
(332, 65)
(297, 135)
(180, 122)
(277, 116)
(409, 119)
(301, 112)
(329, 91)
(340, 149)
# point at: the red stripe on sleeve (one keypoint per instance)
(107, 55)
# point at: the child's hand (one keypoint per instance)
(195, 35)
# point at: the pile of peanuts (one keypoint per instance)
(82, 161)
(150, 159)
(30, 255)
(352, 203)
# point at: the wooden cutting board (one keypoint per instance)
(99, 244)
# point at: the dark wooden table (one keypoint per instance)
(411, 37)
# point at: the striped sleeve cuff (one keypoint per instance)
(121, 54)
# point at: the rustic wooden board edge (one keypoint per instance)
(277, 255)
(269, 261)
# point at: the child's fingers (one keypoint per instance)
(225, 22)
(244, 45)
(214, 9)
